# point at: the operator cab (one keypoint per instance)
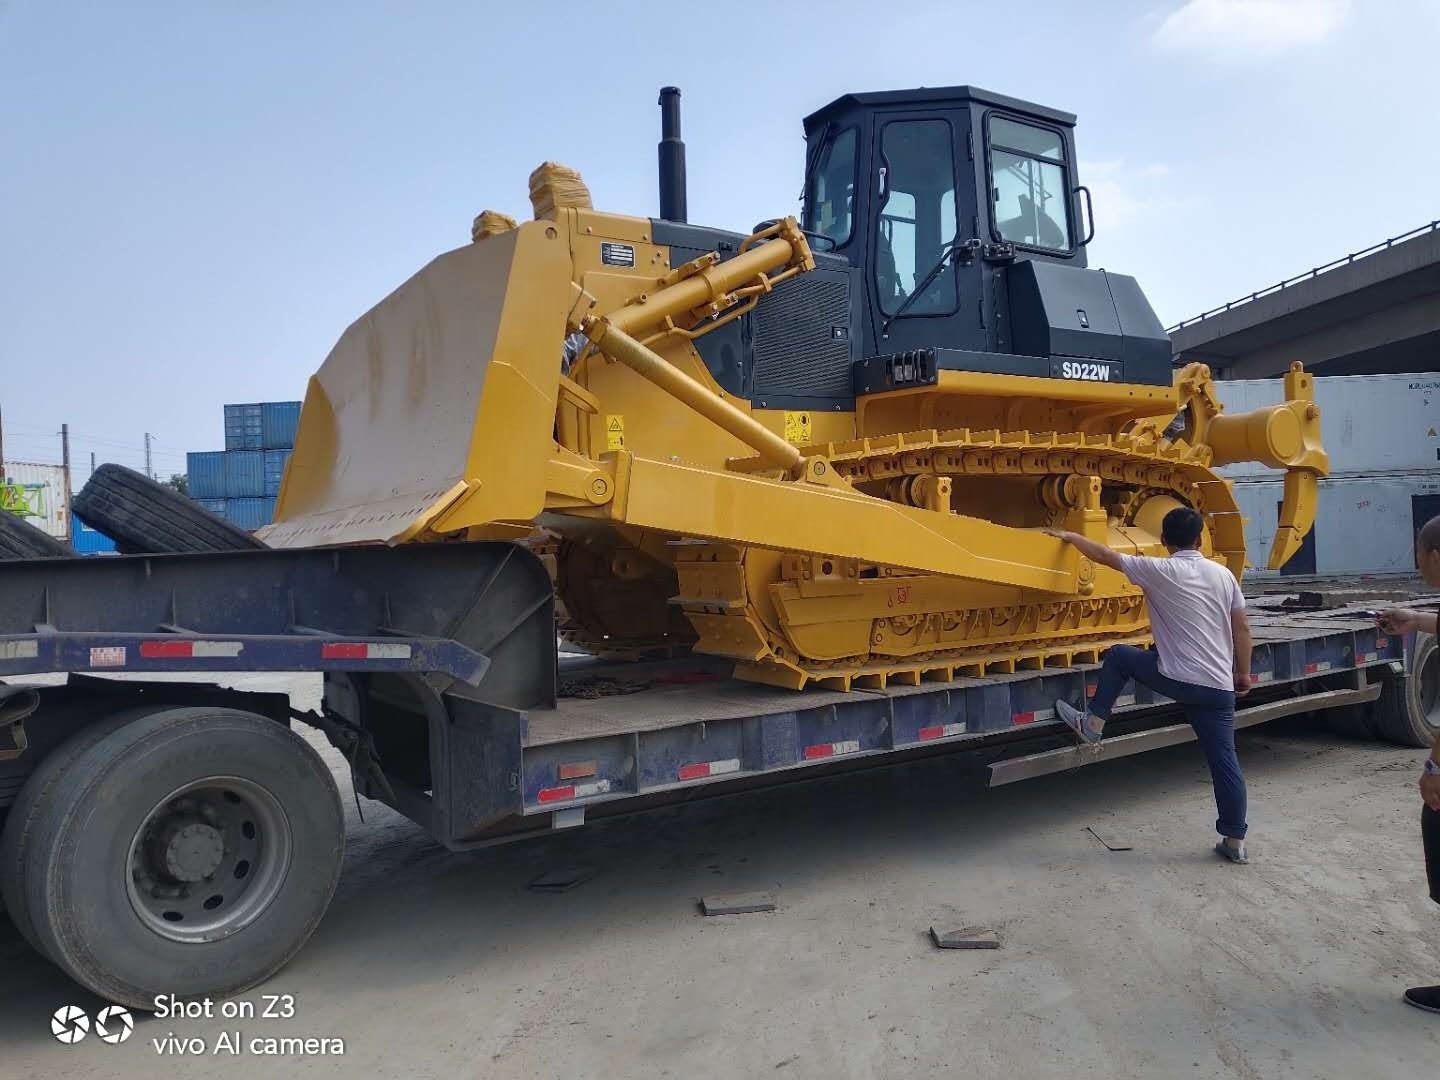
(962, 213)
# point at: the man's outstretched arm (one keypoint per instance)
(1403, 620)
(1096, 553)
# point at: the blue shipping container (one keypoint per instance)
(88, 541)
(250, 514)
(275, 470)
(279, 420)
(206, 473)
(244, 474)
(215, 506)
(244, 427)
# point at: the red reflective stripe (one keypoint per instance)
(160, 650)
(833, 749)
(695, 771)
(1310, 669)
(557, 794)
(931, 732)
(344, 652)
(1023, 718)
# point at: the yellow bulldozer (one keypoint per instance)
(827, 450)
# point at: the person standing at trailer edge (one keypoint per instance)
(1201, 657)
(1406, 621)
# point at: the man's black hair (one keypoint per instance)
(1182, 528)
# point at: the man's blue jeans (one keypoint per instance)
(1211, 713)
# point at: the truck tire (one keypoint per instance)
(145, 518)
(189, 852)
(20, 821)
(21, 540)
(1353, 721)
(1408, 712)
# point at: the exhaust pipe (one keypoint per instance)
(672, 156)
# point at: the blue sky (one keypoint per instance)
(197, 198)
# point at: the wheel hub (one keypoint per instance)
(208, 859)
(192, 852)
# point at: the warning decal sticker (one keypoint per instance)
(797, 427)
(614, 433)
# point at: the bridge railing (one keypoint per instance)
(1307, 276)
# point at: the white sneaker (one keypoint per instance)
(1234, 854)
(1078, 721)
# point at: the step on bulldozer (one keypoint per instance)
(828, 450)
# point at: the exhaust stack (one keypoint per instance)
(672, 156)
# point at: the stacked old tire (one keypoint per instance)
(147, 518)
(21, 540)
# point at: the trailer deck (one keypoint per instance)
(445, 690)
(660, 726)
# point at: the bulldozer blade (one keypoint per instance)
(444, 389)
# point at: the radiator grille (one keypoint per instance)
(802, 338)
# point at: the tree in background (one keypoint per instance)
(179, 481)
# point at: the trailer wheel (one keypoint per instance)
(1353, 721)
(1408, 712)
(21, 540)
(33, 797)
(189, 852)
(144, 517)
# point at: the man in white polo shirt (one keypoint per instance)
(1201, 658)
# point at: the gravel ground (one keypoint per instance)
(1155, 962)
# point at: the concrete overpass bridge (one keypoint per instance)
(1373, 312)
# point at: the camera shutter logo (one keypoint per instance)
(69, 1024)
(114, 1024)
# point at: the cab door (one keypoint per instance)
(922, 213)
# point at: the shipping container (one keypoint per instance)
(88, 541)
(215, 506)
(1365, 525)
(205, 472)
(279, 420)
(250, 514)
(244, 427)
(275, 461)
(1368, 423)
(244, 474)
(36, 492)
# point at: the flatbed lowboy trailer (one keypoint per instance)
(176, 837)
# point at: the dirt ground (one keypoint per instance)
(1161, 961)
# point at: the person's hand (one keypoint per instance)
(1398, 620)
(1243, 684)
(1058, 534)
(1430, 790)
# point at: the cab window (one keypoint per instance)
(917, 218)
(830, 198)
(1029, 199)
